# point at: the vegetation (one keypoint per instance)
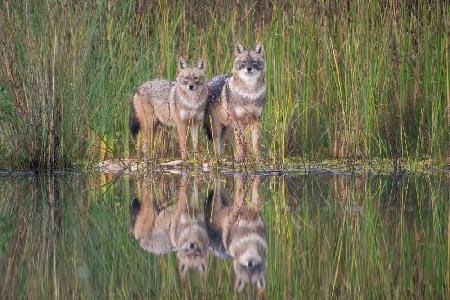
(355, 79)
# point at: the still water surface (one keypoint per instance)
(173, 236)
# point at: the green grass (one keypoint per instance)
(343, 80)
(328, 236)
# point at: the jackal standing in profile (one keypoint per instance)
(181, 227)
(240, 103)
(163, 102)
(242, 232)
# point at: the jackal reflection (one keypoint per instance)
(241, 230)
(180, 227)
(229, 228)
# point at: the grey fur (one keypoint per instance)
(181, 103)
(215, 86)
(241, 102)
(158, 89)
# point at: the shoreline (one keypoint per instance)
(300, 167)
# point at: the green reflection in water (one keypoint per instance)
(326, 236)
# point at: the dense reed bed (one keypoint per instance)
(353, 79)
(328, 236)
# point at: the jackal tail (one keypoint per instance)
(133, 122)
(134, 126)
(207, 126)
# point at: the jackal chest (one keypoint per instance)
(187, 114)
(249, 112)
(246, 104)
(190, 109)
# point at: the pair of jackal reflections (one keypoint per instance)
(224, 226)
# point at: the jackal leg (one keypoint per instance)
(194, 132)
(255, 139)
(182, 129)
(161, 134)
(149, 123)
(146, 119)
(148, 133)
(217, 136)
(241, 149)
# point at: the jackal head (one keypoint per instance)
(191, 78)
(192, 245)
(249, 64)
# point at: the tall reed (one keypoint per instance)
(348, 80)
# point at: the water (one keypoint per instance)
(169, 236)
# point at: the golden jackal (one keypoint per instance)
(163, 102)
(241, 102)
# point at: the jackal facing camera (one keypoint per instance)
(240, 103)
(163, 102)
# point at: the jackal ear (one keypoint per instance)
(182, 63)
(238, 48)
(201, 64)
(259, 48)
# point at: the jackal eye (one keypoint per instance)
(257, 65)
(196, 78)
(240, 65)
